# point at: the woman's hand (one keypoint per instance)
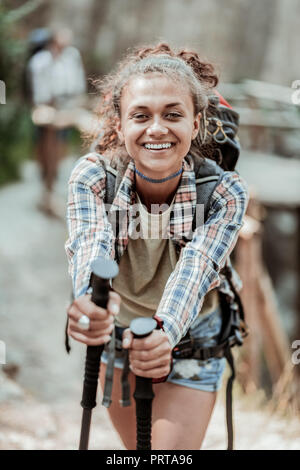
(149, 357)
(101, 320)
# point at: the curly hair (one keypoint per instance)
(180, 65)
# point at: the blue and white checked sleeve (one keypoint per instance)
(197, 270)
(90, 233)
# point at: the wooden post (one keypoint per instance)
(245, 250)
(266, 333)
(250, 357)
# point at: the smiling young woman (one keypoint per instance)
(150, 113)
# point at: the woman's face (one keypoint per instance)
(157, 123)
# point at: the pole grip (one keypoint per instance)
(102, 271)
(143, 394)
(93, 353)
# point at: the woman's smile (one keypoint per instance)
(158, 148)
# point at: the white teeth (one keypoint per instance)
(158, 146)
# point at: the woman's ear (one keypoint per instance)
(196, 125)
(119, 130)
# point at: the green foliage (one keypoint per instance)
(16, 131)
(16, 136)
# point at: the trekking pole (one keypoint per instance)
(103, 270)
(143, 395)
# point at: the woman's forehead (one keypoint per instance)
(142, 90)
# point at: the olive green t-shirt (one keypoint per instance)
(145, 267)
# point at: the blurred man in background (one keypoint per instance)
(57, 83)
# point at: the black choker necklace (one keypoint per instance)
(162, 180)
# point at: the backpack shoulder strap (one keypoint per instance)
(111, 184)
(112, 180)
(207, 176)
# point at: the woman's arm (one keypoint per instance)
(90, 233)
(201, 260)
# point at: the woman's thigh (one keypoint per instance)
(180, 415)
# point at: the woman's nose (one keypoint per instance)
(157, 128)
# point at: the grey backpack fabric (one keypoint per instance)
(208, 175)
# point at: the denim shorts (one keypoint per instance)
(194, 373)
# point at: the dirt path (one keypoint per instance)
(41, 410)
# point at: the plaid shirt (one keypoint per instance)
(202, 256)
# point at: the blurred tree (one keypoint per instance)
(15, 124)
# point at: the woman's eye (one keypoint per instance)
(140, 116)
(173, 115)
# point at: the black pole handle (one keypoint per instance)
(143, 395)
(102, 271)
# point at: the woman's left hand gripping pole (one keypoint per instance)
(102, 271)
(143, 395)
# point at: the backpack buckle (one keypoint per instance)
(219, 128)
(184, 349)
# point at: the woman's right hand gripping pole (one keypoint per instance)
(101, 320)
